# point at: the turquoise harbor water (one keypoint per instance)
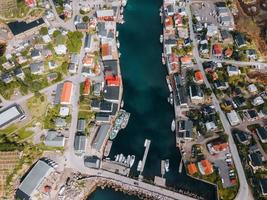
(145, 97)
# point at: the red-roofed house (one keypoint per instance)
(88, 61)
(217, 50)
(192, 169)
(228, 52)
(199, 77)
(205, 167)
(169, 23)
(113, 80)
(217, 148)
(87, 87)
(66, 93)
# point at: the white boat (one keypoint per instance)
(117, 157)
(161, 38)
(167, 165)
(163, 59)
(146, 141)
(122, 103)
(123, 159)
(132, 160)
(124, 2)
(120, 157)
(122, 10)
(171, 99)
(173, 126)
(118, 44)
(128, 160)
(139, 166)
(169, 83)
(117, 33)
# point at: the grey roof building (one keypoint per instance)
(60, 122)
(111, 67)
(102, 117)
(87, 42)
(54, 139)
(100, 136)
(80, 141)
(81, 125)
(33, 180)
(91, 162)
(10, 114)
(262, 134)
(37, 68)
(185, 129)
(111, 93)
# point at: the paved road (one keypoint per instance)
(244, 190)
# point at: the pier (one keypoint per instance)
(147, 146)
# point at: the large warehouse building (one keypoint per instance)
(10, 114)
(31, 183)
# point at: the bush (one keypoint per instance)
(85, 18)
(43, 31)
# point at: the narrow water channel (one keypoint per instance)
(145, 97)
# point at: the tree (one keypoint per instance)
(2, 49)
(74, 42)
(43, 31)
(85, 18)
(56, 33)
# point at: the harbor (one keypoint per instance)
(145, 97)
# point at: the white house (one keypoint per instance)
(252, 88)
(258, 101)
(60, 49)
(233, 70)
(233, 118)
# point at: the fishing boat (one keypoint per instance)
(161, 38)
(173, 126)
(121, 122)
(139, 166)
(132, 160)
(167, 165)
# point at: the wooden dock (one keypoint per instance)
(147, 146)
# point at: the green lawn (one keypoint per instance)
(8, 130)
(23, 133)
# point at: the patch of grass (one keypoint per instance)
(23, 133)
(8, 130)
(37, 106)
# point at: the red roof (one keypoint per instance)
(192, 169)
(198, 76)
(66, 93)
(113, 80)
(87, 87)
(105, 50)
(207, 166)
(220, 147)
(169, 22)
(217, 49)
(228, 52)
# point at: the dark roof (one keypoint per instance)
(106, 106)
(20, 27)
(101, 116)
(81, 26)
(262, 132)
(79, 142)
(87, 41)
(240, 39)
(196, 91)
(111, 67)
(95, 103)
(91, 161)
(252, 113)
(242, 137)
(256, 159)
(18, 71)
(239, 101)
(112, 92)
(263, 185)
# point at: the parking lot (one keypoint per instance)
(225, 166)
(205, 12)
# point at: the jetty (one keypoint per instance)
(147, 146)
(107, 148)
